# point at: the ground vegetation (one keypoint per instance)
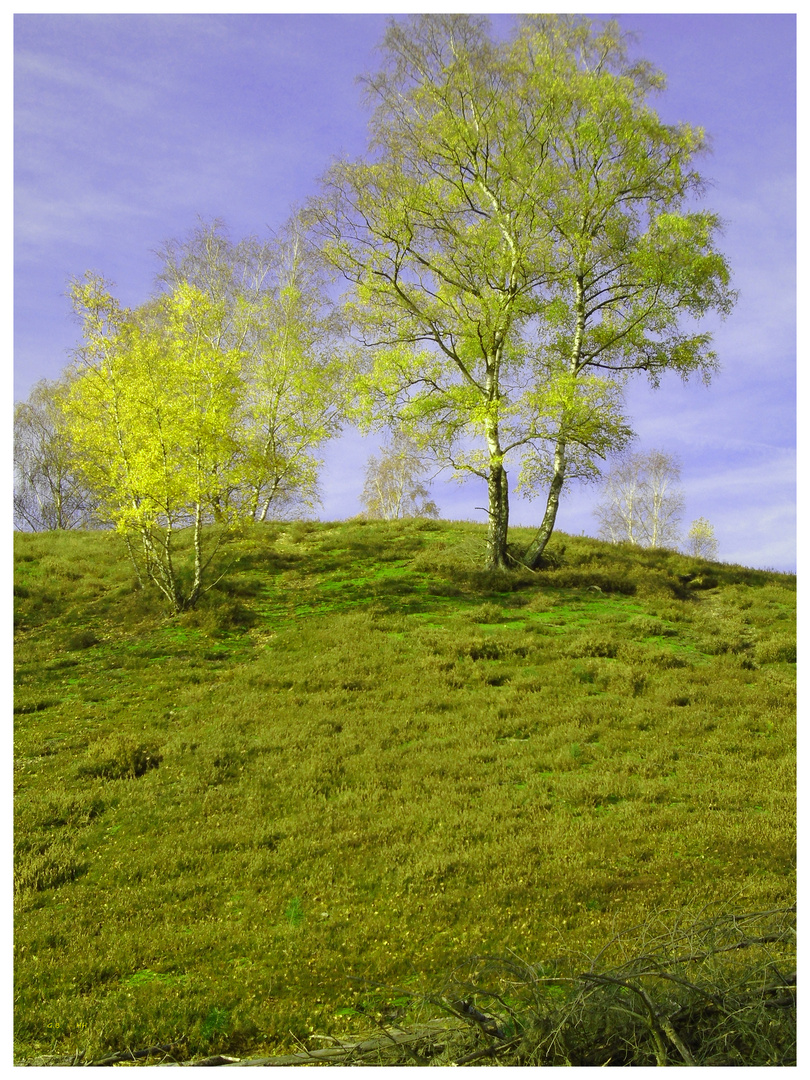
(305, 807)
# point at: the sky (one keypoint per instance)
(130, 128)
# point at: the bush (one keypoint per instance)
(777, 650)
(46, 865)
(83, 639)
(119, 757)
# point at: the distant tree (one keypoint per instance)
(520, 240)
(49, 489)
(701, 541)
(641, 503)
(394, 487)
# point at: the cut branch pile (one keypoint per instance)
(713, 992)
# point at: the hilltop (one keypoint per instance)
(362, 760)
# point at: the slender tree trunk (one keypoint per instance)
(498, 491)
(198, 559)
(160, 567)
(268, 501)
(534, 553)
(133, 560)
(60, 517)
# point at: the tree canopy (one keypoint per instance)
(519, 240)
(204, 406)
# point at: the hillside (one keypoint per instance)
(362, 761)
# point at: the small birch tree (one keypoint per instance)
(394, 487)
(153, 412)
(642, 503)
(49, 490)
(701, 541)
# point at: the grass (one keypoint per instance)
(362, 760)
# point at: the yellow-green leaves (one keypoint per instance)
(522, 220)
(204, 407)
(153, 407)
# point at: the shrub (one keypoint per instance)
(777, 650)
(486, 613)
(119, 757)
(82, 639)
(46, 865)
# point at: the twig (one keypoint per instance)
(134, 1055)
(488, 1051)
(367, 1046)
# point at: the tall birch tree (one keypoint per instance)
(518, 242)
(446, 258)
(634, 267)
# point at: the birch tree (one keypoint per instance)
(446, 257)
(275, 311)
(701, 541)
(634, 266)
(153, 414)
(517, 243)
(642, 502)
(394, 486)
(49, 490)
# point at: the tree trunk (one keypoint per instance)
(498, 509)
(196, 587)
(160, 567)
(498, 528)
(534, 553)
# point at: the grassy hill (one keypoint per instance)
(362, 760)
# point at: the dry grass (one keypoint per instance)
(362, 761)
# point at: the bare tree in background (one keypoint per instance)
(642, 503)
(49, 492)
(394, 485)
(702, 542)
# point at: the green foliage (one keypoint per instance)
(390, 770)
(152, 413)
(293, 375)
(520, 240)
(204, 406)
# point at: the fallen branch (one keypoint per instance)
(348, 1050)
(135, 1055)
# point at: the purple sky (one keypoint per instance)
(129, 127)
